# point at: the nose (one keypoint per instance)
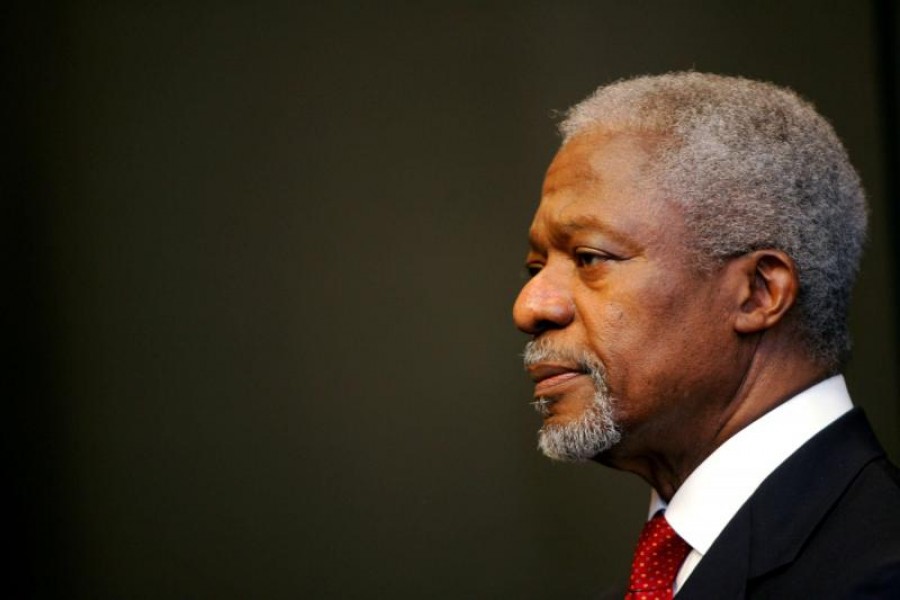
(544, 303)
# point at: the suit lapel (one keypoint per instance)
(771, 528)
(724, 569)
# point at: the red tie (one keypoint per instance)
(657, 558)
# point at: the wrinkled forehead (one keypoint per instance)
(599, 166)
(602, 182)
(613, 160)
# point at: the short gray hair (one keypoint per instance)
(753, 166)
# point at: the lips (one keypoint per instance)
(549, 378)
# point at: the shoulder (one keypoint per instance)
(824, 524)
(854, 551)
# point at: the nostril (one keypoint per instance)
(543, 325)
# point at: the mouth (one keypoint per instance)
(550, 379)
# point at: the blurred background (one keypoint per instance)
(261, 259)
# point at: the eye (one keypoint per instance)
(587, 257)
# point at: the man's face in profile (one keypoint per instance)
(629, 337)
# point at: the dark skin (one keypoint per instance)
(691, 357)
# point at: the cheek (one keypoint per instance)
(647, 347)
(644, 323)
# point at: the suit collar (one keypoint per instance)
(771, 527)
(796, 497)
(714, 492)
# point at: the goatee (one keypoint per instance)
(594, 431)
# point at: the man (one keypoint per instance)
(691, 265)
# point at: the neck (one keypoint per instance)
(772, 376)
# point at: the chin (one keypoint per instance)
(585, 439)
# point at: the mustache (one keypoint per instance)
(541, 351)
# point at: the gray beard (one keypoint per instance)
(595, 430)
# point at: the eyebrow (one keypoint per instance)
(582, 222)
(561, 232)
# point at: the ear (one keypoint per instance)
(767, 290)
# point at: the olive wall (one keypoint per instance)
(262, 262)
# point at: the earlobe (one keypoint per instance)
(769, 290)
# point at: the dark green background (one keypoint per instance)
(262, 258)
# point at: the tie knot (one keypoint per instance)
(657, 558)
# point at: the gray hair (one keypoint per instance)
(752, 166)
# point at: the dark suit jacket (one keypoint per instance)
(825, 524)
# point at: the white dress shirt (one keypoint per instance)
(713, 493)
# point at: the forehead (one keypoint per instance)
(611, 160)
(601, 180)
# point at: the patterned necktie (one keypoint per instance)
(657, 558)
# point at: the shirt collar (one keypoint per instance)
(715, 491)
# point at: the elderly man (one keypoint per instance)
(691, 265)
